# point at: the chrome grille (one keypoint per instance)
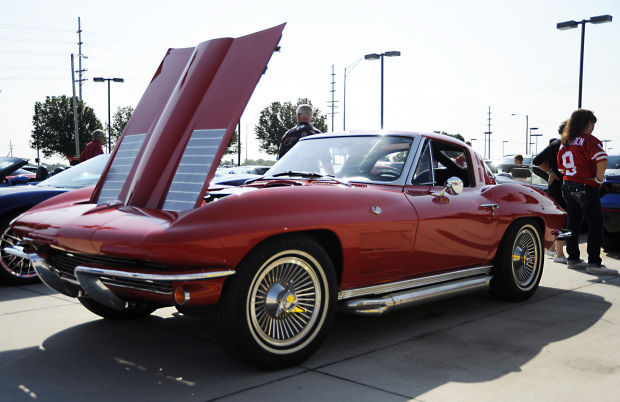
(65, 262)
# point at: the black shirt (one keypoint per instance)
(293, 135)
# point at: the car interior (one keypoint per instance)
(441, 160)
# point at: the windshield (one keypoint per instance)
(82, 175)
(356, 158)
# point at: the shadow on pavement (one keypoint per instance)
(472, 338)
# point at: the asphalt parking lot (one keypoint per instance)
(561, 345)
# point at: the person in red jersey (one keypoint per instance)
(95, 147)
(583, 160)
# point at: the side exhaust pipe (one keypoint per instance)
(395, 301)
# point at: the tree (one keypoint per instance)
(457, 136)
(53, 132)
(277, 118)
(233, 144)
(120, 118)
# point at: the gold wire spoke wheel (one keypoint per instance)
(285, 299)
(16, 266)
(526, 258)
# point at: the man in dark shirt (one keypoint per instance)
(547, 161)
(95, 147)
(302, 129)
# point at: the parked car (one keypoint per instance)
(610, 202)
(12, 172)
(238, 175)
(15, 200)
(365, 222)
(506, 163)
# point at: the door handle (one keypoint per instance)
(492, 206)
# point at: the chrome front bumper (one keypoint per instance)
(93, 281)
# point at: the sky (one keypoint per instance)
(458, 60)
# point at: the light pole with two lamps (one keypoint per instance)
(530, 139)
(101, 79)
(375, 56)
(535, 135)
(503, 143)
(600, 19)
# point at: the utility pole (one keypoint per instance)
(239, 143)
(80, 55)
(75, 116)
(488, 133)
(332, 103)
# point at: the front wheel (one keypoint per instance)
(13, 270)
(276, 310)
(519, 262)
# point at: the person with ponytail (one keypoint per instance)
(583, 160)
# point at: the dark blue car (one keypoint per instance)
(610, 201)
(17, 199)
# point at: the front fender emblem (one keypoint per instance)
(376, 210)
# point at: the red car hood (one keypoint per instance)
(173, 143)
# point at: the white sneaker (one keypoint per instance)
(600, 270)
(550, 252)
(561, 260)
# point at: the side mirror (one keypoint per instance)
(453, 186)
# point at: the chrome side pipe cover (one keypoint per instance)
(395, 301)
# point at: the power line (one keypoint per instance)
(34, 28)
(31, 40)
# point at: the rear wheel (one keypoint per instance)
(13, 270)
(276, 310)
(130, 312)
(519, 262)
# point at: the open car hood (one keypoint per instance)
(174, 141)
(12, 164)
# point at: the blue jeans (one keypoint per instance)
(583, 202)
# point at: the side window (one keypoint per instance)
(423, 175)
(441, 160)
(453, 160)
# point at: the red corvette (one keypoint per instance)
(365, 222)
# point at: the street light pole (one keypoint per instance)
(530, 139)
(344, 92)
(536, 135)
(101, 79)
(601, 19)
(375, 56)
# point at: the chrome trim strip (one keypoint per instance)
(413, 283)
(124, 286)
(17, 251)
(45, 272)
(395, 301)
(154, 277)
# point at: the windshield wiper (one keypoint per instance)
(300, 174)
(305, 175)
(312, 175)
